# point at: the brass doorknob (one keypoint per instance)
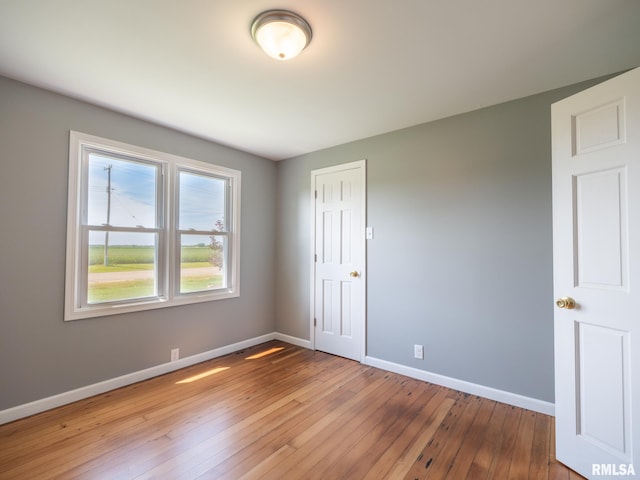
(354, 274)
(566, 302)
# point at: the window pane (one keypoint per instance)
(121, 193)
(201, 202)
(202, 262)
(122, 266)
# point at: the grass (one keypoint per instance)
(122, 254)
(126, 290)
(198, 284)
(132, 258)
(195, 264)
(113, 291)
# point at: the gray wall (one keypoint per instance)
(462, 256)
(461, 260)
(40, 355)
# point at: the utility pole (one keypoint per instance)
(106, 234)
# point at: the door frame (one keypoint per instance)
(361, 165)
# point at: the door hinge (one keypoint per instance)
(315, 257)
(315, 194)
(315, 322)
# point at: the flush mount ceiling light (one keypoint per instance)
(280, 33)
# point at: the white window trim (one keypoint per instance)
(168, 259)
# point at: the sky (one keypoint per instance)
(133, 200)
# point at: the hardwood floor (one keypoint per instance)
(289, 413)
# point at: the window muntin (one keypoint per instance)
(167, 228)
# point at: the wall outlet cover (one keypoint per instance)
(175, 354)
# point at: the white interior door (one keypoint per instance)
(338, 311)
(596, 255)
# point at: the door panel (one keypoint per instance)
(601, 207)
(599, 128)
(339, 266)
(596, 254)
(602, 362)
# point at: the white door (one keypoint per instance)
(596, 256)
(338, 297)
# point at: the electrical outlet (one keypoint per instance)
(175, 354)
(418, 351)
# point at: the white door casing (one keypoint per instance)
(338, 264)
(596, 257)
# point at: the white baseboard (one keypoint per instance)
(64, 398)
(293, 340)
(463, 386)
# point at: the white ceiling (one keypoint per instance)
(373, 66)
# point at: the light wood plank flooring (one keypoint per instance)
(276, 411)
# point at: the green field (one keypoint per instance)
(141, 258)
(114, 291)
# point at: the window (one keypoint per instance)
(147, 229)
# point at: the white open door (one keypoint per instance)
(338, 283)
(596, 256)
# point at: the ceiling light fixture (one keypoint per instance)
(280, 33)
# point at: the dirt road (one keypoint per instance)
(124, 276)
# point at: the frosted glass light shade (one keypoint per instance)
(281, 34)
